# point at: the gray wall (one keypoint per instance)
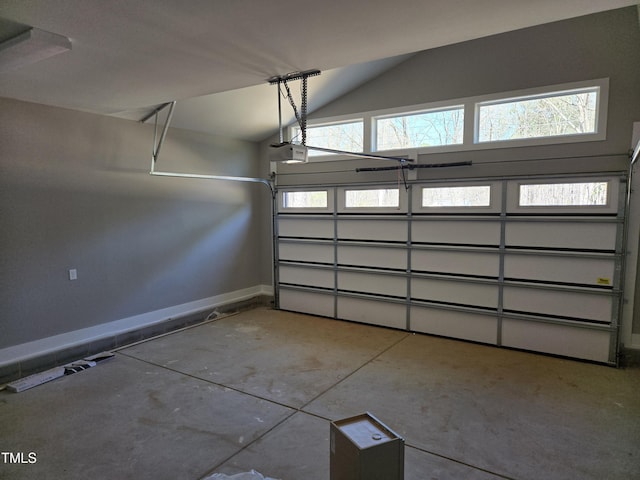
(75, 193)
(605, 45)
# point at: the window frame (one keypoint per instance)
(457, 187)
(600, 86)
(495, 195)
(563, 205)
(412, 113)
(611, 207)
(471, 122)
(327, 209)
(402, 200)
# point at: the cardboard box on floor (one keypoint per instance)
(363, 448)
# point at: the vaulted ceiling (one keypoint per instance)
(214, 56)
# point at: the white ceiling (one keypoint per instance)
(215, 56)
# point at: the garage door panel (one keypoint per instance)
(570, 304)
(374, 312)
(306, 252)
(305, 227)
(372, 283)
(455, 324)
(569, 235)
(556, 339)
(307, 302)
(577, 270)
(373, 230)
(313, 277)
(456, 292)
(463, 263)
(368, 256)
(456, 232)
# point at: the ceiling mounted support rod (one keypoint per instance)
(280, 129)
(158, 146)
(155, 112)
(156, 152)
(635, 154)
(264, 181)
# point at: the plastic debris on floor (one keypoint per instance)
(57, 372)
(252, 475)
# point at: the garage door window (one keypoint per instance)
(564, 194)
(313, 199)
(374, 198)
(467, 196)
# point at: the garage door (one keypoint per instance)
(532, 264)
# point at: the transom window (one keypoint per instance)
(551, 115)
(575, 112)
(422, 129)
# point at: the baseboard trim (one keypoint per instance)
(49, 346)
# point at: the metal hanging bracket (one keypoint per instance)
(157, 144)
(293, 76)
(302, 116)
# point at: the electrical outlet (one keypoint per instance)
(73, 274)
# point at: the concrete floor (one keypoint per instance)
(257, 390)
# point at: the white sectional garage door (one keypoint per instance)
(530, 264)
